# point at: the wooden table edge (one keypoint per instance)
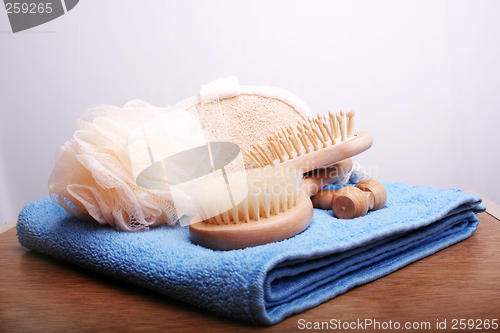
(491, 207)
(8, 225)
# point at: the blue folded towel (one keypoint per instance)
(266, 283)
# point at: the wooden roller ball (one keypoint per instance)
(377, 189)
(350, 202)
(323, 200)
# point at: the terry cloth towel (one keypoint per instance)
(263, 284)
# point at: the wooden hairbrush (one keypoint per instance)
(316, 143)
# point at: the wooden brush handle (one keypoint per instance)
(318, 179)
(332, 154)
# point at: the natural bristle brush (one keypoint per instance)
(274, 208)
(316, 143)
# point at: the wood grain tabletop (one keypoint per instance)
(456, 285)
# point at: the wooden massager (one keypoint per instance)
(351, 202)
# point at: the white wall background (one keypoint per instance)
(423, 76)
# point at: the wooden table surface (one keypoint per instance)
(40, 294)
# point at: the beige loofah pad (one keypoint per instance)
(244, 115)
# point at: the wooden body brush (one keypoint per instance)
(316, 143)
(277, 207)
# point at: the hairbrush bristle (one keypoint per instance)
(308, 135)
(264, 192)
